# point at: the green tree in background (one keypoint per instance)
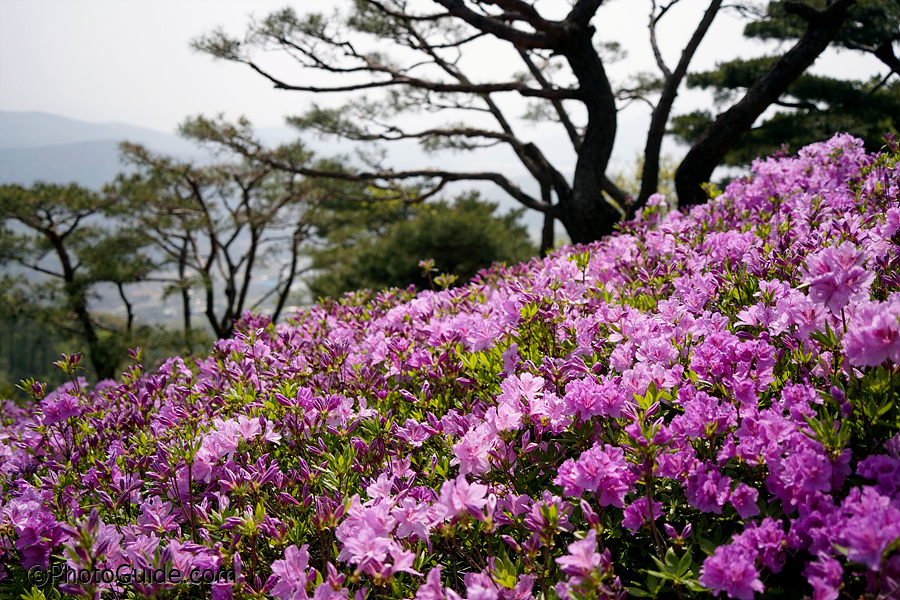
(217, 227)
(178, 228)
(28, 345)
(462, 238)
(356, 233)
(813, 107)
(65, 242)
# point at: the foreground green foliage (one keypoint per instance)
(460, 238)
(703, 404)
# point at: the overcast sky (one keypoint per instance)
(130, 61)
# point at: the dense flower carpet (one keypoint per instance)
(703, 404)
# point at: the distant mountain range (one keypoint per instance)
(39, 130)
(36, 146)
(44, 147)
(90, 164)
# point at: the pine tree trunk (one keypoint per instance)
(710, 149)
(586, 213)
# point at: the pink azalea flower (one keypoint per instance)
(472, 451)
(583, 557)
(836, 276)
(731, 570)
(461, 496)
(290, 574)
(873, 334)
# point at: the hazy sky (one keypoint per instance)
(130, 61)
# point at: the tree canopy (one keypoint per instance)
(394, 58)
(217, 225)
(206, 233)
(459, 239)
(69, 238)
(813, 106)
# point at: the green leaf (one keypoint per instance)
(671, 559)
(708, 546)
(684, 565)
(695, 586)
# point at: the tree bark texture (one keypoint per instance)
(710, 149)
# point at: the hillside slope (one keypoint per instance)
(702, 403)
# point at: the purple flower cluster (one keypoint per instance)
(703, 403)
(601, 470)
(37, 532)
(587, 571)
(734, 567)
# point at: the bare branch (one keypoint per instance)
(561, 112)
(517, 10)
(712, 146)
(884, 52)
(404, 16)
(582, 12)
(881, 83)
(398, 79)
(35, 267)
(654, 19)
(805, 105)
(660, 116)
(497, 28)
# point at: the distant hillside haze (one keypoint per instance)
(37, 129)
(38, 146)
(89, 164)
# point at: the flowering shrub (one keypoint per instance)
(701, 404)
